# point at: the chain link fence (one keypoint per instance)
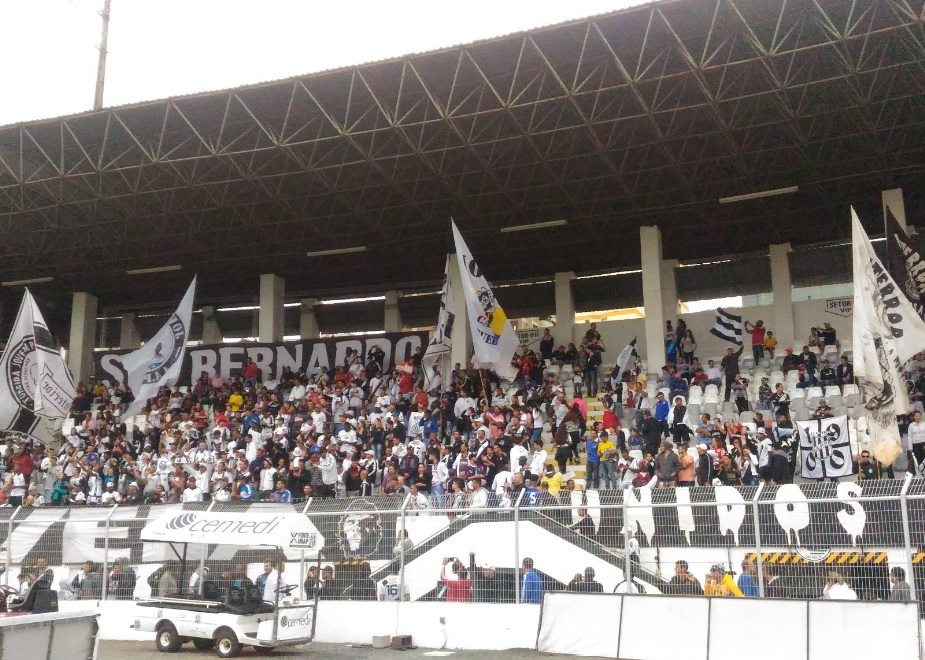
(833, 540)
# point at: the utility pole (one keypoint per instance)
(101, 64)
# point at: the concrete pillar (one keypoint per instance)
(271, 319)
(308, 322)
(893, 198)
(781, 287)
(669, 290)
(83, 336)
(650, 240)
(211, 332)
(462, 334)
(564, 330)
(128, 332)
(392, 313)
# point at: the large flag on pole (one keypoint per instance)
(436, 360)
(493, 336)
(38, 389)
(623, 359)
(904, 260)
(158, 362)
(887, 332)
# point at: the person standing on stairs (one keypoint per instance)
(593, 476)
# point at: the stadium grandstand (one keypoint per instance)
(661, 199)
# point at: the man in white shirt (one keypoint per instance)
(479, 496)
(714, 374)
(463, 403)
(274, 583)
(518, 451)
(319, 419)
(502, 480)
(328, 465)
(836, 588)
(191, 493)
(916, 436)
(111, 495)
(538, 461)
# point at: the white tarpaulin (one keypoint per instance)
(825, 448)
(292, 531)
(38, 389)
(887, 332)
(493, 336)
(158, 362)
(436, 360)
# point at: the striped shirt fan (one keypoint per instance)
(727, 327)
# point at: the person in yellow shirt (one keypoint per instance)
(553, 480)
(607, 451)
(720, 583)
(770, 343)
(236, 401)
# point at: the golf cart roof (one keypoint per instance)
(249, 528)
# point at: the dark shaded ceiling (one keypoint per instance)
(644, 116)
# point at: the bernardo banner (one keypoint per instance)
(271, 358)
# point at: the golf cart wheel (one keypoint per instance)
(226, 643)
(166, 639)
(203, 644)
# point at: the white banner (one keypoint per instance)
(158, 362)
(38, 388)
(436, 360)
(493, 336)
(887, 332)
(825, 448)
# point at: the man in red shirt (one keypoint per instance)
(757, 332)
(23, 460)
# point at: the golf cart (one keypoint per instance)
(226, 616)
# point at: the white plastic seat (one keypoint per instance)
(833, 396)
(813, 394)
(711, 389)
(748, 362)
(693, 412)
(830, 351)
(796, 394)
(851, 395)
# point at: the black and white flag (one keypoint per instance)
(436, 360)
(904, 261)
(887, 331)
(825, 448)
(158, 362)
(38, 389)
(728, 327)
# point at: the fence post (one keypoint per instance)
(9, 547)
(308, 503)
(401, 554)
(759, 563)
(105, 593)
(907, 536)
(520, 498)
(627, 562)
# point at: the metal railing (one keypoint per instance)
(836, 540)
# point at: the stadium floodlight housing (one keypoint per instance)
(154, 269)
(346, 250)
(33, 280)
(758, 195)
(534, 225)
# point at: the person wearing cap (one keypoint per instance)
(790, 361)
(720, 582)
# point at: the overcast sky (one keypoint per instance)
(160, 48)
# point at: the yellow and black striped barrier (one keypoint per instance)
(833, 558)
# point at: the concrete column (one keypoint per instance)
(271, 319)
(392, 313)
(564, 330)
(128, 332)
(669, 289)
(650, 240)
(211, 332)
(83, 336)
(782, 289)
(308, 322)
(462, 334)
(893, 199)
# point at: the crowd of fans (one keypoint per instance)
(359, 430)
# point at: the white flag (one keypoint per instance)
(493, 336)
(38, 390)
(825, 448)
(436, 360)
(887, 332)
(158, 362)
(623, 359)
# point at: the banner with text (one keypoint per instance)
(311, 355)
